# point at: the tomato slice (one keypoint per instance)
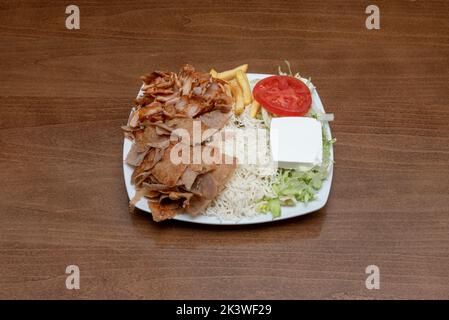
(283, 95)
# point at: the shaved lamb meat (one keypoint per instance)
(162, 212)
(155, 186)
(223, 173)
(166, 172)
(192, 172)
(208, 186)
(142, 171)
(187, 126)
(188, 178)
(205, 186)
(169, 102)
(215, 119)
(136, 155)
(150, 138)
(183, 198)
(197, 205)
(162, 132)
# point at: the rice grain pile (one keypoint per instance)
(250, 182)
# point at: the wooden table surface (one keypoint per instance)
(65, 93)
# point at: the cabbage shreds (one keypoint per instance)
(292, 185)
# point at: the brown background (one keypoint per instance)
(64, 95)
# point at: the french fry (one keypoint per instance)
(230, 74)
(213, 73)
(238, 97)
(255, 107)
(242, 80)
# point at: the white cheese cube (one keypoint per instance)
(296, 142)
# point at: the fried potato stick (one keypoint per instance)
(213, 73)
(230, 74)
(242, 80)
(238, 97)
(255, 107)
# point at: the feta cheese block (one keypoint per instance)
(296, 142)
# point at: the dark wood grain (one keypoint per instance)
(64, 95)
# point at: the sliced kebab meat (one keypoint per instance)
(173, 104)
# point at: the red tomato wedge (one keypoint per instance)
(283, 96)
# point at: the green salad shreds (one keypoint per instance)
(292, 186)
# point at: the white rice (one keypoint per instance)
(249, 183)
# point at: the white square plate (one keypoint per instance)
(287, 212)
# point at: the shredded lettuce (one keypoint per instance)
(292, 186)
